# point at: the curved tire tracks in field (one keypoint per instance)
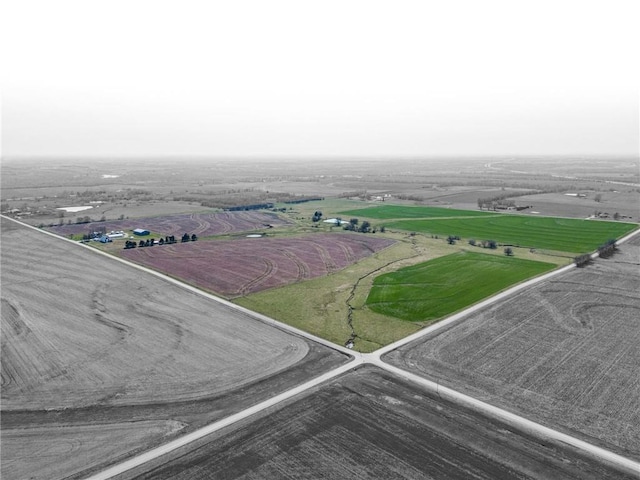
(203, 225)
(225, 225)
(327, 259)
(268, 271)
(303, 268)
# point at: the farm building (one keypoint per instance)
(141, 232)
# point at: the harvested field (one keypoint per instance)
(238, 267)
(202, 224)
(369, 425)
(91, 346)
(564, 353)
(37, 451)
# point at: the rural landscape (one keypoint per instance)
(472, 317)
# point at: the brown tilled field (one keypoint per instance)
(564, 353)
(368, 424)
(247, 265)
(93, 350)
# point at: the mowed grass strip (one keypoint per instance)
(439, 287)
(385, 212)
(552, 233)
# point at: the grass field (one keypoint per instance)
(551, 233)
(321, 305)
(447, 284)
(560, 234)
(384, 212)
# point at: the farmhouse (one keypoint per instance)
(141, 232)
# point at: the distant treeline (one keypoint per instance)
(255, 206)
(303, 200)
(242, 199)
(269, 205)
(413, 198)
(501, 199)
(357, 193)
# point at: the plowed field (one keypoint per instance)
(564, 353)
(370, 425)
(93, 350)
(242, 266)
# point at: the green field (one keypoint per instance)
(384, 212)
(552, 233)
(447, 284)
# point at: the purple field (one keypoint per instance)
(202, 224)
(248, 265)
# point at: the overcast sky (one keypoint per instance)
(319, 78)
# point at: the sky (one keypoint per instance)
(334, 78)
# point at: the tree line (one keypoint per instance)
(605, 250)
(150, 242)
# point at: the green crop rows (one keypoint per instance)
(552, 233)
(439, 287)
